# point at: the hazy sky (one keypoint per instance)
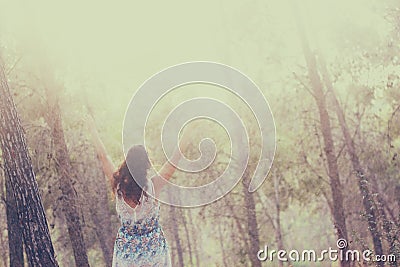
(130, 38)
(111, 47)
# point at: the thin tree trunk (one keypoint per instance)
(390, 228)
(187, 238)
(390, 232)
(15, 242)
(362, 179)
(221, 243)
(238, 223)
(4, 251)
(252, 226)
(101, 217)
(21, 178)
(397, 193)
(329, 149)
(278, 231)
(196, 241)
(175, 231)
(4, 254)
(64, 168)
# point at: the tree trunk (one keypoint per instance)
(175, 231)
(21, 178)
(252, 226)
(185, 226)
(390, 231)
(362, 179)
(3, 251)
(221, 243)
(333, 170)
(278, 231)
(15, 242)
(238, 223)
(398, 200)
(196, 242)
(101, 216)
(64, 168)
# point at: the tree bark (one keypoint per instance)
(397, 190)
(196, 241)
(103, 235)
(64, 168)
(21, 178)
(278, 231)
(185, 226)
(15, 242)
(241, 230)
(252, 226)
(329, 149)
(101, 216)
(175, 231)
(362, 179)
(221, 243)
(390, 232)
(4, 251)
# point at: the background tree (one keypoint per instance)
(65, 172)
(18, 169)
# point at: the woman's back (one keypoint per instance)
(148, 207)
(140, 240)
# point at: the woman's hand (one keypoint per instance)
(107, 165)
(168, 169)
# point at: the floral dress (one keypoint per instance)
(140, 241)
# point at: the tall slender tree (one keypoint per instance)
(359, 172)
(195, 235)
(21, 178)
(188, 237)
(175, 231)
(64, 169)
(326, 130)
(100, 213)
(278, 230)
(252, 225)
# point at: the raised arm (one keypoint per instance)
(106, 163)
(167, 170)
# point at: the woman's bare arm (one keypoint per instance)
(106, 163)
(167, 170)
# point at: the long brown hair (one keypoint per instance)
(135, 165)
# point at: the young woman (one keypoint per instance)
(140, 241)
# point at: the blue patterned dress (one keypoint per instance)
(140, 241)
